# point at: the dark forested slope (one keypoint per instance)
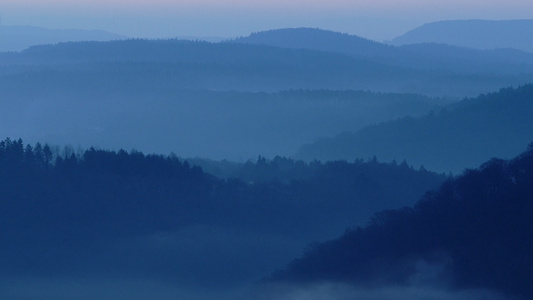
(475, 231)
(76, 213)
(458, 136)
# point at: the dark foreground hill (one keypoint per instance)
(474, 232)
(458, 136)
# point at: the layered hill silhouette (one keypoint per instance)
(221, 66)
(460, 135)
(480, 34)
(358, 64)
(474, 232)
(78, 216)
(155, 85)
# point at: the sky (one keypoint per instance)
(374, 19)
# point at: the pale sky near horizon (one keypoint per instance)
(374, 19)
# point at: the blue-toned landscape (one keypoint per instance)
(286, 163)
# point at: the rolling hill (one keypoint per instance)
(459, 136)
(318, 39)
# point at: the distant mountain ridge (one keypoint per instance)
(239, 66)
(427, 56)
(18, 38)
(480, 34)
(318, 39)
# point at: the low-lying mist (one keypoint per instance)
(342, 291)
(131, 288)
(428, 279)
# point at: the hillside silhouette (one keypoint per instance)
(472, 232)
(458, 136)
(319, 39)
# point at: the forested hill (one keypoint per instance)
(474, 232)
(318, 39)
(136, 185)
(456, 137)
(65, 211)
(169, 50)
